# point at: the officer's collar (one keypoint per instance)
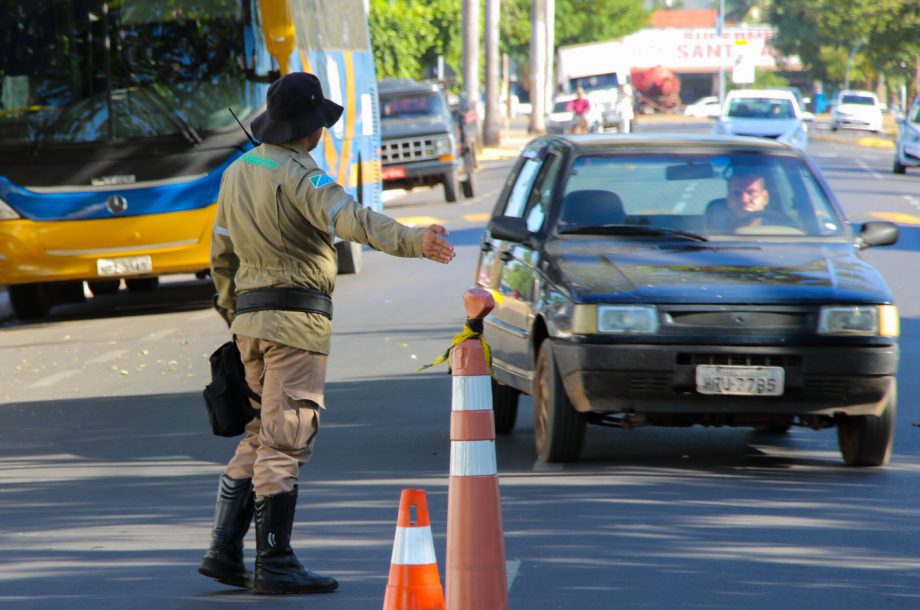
(295, 147)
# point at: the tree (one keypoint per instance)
(823, 36)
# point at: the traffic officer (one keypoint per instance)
(274, 265)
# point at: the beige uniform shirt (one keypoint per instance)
(277, 217)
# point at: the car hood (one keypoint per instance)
(723, 272)
(759, 127)
(401, 128)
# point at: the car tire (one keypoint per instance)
(898, 167)
(142, 284)
(102, 287)
(833, 126)
(349, 256)
(451, 184)
(469, 186)
(866, 440)
(30, 301)
(559, 430)
(504, 407)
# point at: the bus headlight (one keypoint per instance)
(6, 212)
(859, 320)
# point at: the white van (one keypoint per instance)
(856, 109)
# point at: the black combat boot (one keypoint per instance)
(277, 568)
(232, 514)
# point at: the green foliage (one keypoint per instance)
(579, 21)
(824, 32)
(402, 35)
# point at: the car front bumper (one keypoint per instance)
(402, 175)
(662, 378)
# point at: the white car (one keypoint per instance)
(763, 113)
(562, 120)
(854, 109)
(704, 107)
(907, 149)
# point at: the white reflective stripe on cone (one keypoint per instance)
(413, 546)
(473, 393)
(472, 458)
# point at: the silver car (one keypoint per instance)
(907, 149)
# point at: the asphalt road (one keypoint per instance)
(108, 471)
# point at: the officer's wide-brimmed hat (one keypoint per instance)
(296, 108)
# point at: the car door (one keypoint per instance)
(516, 283)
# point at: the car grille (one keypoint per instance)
(694, 359)
(408, 150)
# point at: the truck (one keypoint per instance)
(658, 88)
(600, 69)
(423, 141)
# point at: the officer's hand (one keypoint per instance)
(436, 248)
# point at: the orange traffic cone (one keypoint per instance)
(414, 583)
(475, 573)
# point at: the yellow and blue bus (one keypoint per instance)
(115, 130)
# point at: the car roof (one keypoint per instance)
(667, 142)
(762, 93)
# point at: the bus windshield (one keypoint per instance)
(80, 71)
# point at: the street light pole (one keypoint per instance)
(856, 48)
(720, 24)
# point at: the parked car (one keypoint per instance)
(763, 113)
(907, 148)
(707, 107)
(622, 300)
(855, 109)
(561, 118)
(422, 143)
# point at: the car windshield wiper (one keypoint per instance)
(631, 230)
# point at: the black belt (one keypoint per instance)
(288, 299)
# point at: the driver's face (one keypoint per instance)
(746, 194)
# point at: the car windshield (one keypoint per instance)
(561, 106)
(862, 100)
(699, 195)
(410, 106)
(760, 108)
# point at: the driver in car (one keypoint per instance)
(746, 204)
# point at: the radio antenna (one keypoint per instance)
(248, 135)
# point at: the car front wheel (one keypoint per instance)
(504, 407)
(866, 440)
(559, 430)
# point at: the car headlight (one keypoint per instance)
(6, 212)
(859, 320)
(618, 319)
(911, 135)
(442, 146)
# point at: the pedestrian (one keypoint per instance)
(580, 106)
(274, 262)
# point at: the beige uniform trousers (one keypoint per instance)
(278, 442)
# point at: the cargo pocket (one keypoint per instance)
(299, 421)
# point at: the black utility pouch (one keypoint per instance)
(226, 398)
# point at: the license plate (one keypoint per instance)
(394, 173)
(740, 380)
(127, 265)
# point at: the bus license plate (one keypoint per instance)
(127, 265)
(740, 380)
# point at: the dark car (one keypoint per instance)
(629, 292)
(422, 143)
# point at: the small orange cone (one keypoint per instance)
(414, 583)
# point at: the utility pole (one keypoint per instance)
(471, 53)
(550, 84)
(538, 67)
(492, 128)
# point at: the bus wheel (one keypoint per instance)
(30, 301)
(100, 287)
(350, 257)
(142, 284)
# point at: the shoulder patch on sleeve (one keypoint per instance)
(321, 180)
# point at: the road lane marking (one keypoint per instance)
(108, 356)
(512, 568)
(871, 171)
(419, 221)
(903, 219)
(53, 379)
(481, 217)
(165, 332)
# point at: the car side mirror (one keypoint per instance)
(509, 228)
(877, 233)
